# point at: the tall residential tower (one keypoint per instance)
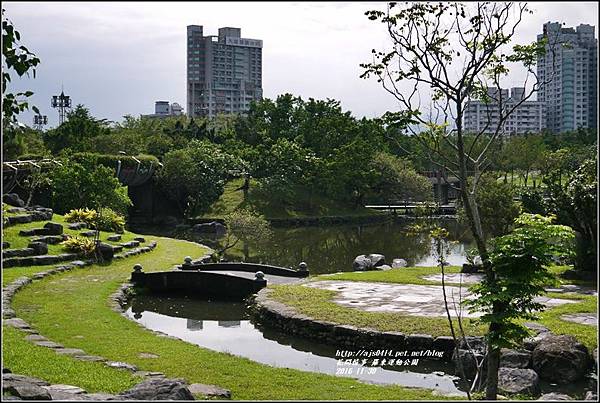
(570, 67)
(224, 72)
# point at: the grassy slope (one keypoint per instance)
(72, 309)
(232, 199)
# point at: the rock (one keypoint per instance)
(121, 365)
(90, 358)
(40, 248)
(362, 263)
(590, 395)
(514, 359)
(106, 251)
(139, 239)
(13, 199)
(518, 381)
(9, 253)
(89, 234)
(476, 343)
(130, 244)
(27, 232)
(6, 370)
(469, 362)
(209, 391)
(385, 267)
(53, 228)
(399, 263)
(49, 344)
(19, 219)
(70, 351)
(51, 239)
(5, 245)
(10, 378)
(27, 391)
(555, 396)
(159, 389)
(210, 228)
(147, 355)
(561, 359)
(74, 390)
(376, 259)
(76, 226)
(16, 322)
(114, 238)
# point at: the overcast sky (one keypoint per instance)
(118, 58)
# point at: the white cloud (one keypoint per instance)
(118, 58)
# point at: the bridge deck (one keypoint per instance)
(271, 278)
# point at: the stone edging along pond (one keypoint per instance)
(287, 319)
(10, 319)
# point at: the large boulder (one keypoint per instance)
(399, 263)
(368, 262)
(53, 228)
(210, 228)
(561, 359)
(40, 248)
(13, 199)
(106, 250)
(159, 389)
(514, 358)
(518, 381)
(468, 360)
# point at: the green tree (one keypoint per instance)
(77, 132)
(455, 52)
(81, 185)
(574, 202)
(497, 206)
(396, 180)
(520, 260)
(16, 57)
(194, 177)
(245, 226)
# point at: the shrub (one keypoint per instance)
(109, 220)
(78, 245)
(85, 215)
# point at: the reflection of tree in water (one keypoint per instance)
(333, 248)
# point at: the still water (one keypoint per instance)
(330, 249)
(226, 327)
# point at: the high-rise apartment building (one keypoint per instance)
(570, 69)
(224, 72)
(528, 117)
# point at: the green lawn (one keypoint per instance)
(405, 275)
(23, 357)
(318, 304)
(318, 206)
(73, 309)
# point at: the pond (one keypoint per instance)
(332, 248)
(226, 327)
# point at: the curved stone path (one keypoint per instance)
(155, 382)
(590, 319)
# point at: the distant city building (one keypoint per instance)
(224, 72)
(164, 109)
(528, 117)
(571, 63)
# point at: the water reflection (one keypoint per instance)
(226, 327)
(329, 249)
